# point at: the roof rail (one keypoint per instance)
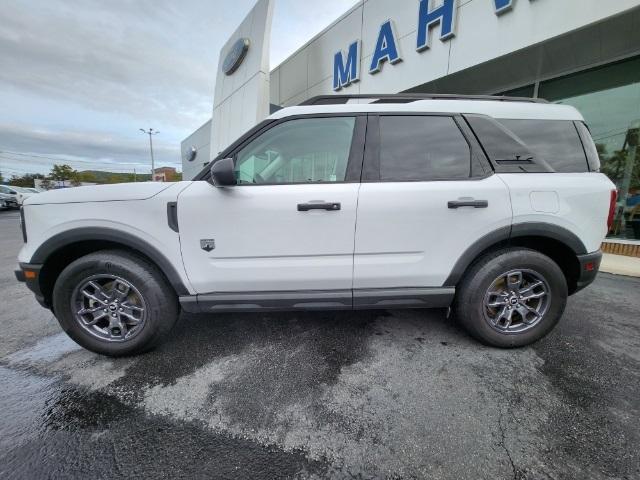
(411, 97)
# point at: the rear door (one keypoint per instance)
(427, 195)
(288, 226)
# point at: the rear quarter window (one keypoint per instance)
(555, 141)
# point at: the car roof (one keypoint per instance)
(497, 109)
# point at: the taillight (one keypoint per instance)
(612, 209)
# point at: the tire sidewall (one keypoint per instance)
(122, 266)
(471, 306)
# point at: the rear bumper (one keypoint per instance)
(32, 280)
(589, 266)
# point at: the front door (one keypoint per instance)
(288, 225)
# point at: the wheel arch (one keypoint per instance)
(58, 251)
(558, 243)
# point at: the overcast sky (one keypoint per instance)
(78, 78)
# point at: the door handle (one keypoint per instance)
(305, 207)
(468, 203)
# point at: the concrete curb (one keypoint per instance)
(620, 265)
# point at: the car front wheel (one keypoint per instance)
(511, 298)
(115, 303)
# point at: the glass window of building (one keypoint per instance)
(527, 91)
(609, 99)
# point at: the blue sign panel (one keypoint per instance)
(502, 6)
(443, 15)
(347, 70)
(386, 49)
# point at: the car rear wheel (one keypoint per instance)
(511, 298)
(115, 303)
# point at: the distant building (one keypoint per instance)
(53, 184)
(165, 174)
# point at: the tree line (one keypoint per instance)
(65, 176)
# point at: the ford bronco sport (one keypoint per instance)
(492, 206)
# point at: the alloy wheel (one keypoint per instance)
(109, 308)
(516, 301)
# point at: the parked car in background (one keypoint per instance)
(8, 196)
(13, 196)
(23, 193)
(3, 205)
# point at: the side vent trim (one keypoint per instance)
(172, 216)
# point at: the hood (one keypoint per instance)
(99, 193)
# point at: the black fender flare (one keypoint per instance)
(507, 233)
(83, 234)
(555, 232)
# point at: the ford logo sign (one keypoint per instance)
(235, 56)
(191, 154)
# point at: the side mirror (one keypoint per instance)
(222, 173)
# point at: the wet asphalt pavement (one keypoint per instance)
(380, 394)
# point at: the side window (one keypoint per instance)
(421, 147)
(298, 151)
(555, 141)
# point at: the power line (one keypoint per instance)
(34, 163)
(623, 132)
(99, 168)
(31, 155)
(58, 159)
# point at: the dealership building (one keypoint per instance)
(584, 53)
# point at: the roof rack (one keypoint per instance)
(411, 97)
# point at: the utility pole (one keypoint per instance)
(135, 176)
(151, 132)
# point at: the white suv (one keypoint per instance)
(491, 205)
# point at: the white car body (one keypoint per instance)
(391, 243)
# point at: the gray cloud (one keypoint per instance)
(150, 58)
(83, 75)
(86, 151)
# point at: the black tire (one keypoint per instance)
(160, 300)
(470, 310)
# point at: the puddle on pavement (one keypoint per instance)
(54, 430)
(44, 351)
(334, 339)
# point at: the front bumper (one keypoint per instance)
(589, 266)
(29, 273)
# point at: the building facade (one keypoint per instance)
(584, 53)
(165, 174)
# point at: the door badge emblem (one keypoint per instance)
(207, 244)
